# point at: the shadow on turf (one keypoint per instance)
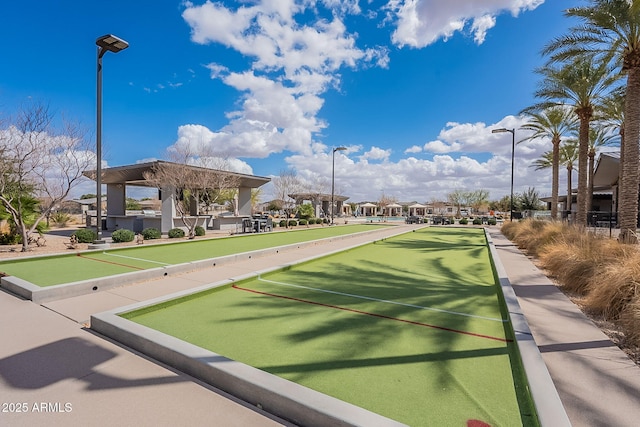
(381, 361)
(438, 282)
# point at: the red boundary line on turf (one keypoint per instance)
(110, 262)
(442, 328)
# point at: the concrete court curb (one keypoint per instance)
(297, 403)
(41, 295)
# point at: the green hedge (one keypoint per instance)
(199, 230)
(122, 235)
(85, 235)
(176, 233)
(151, 233)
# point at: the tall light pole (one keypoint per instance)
(333, 176)
(513, 149)
(107, 43)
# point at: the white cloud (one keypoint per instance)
(412, 150)
(290, 66)
(376, 153)
(420, 23)
(426, 179)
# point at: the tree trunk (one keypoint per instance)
(555, 172)
(569, 192)
(583, 151)
(628, 206)
(619, 189)
(592, 157)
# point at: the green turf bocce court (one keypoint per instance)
(61, 269)
(413, 328)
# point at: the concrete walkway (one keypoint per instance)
(60, 373)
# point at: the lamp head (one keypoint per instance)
(111, 43)
(501, 130)
(339, 149)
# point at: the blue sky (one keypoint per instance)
(411, 88)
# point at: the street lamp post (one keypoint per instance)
(107, 43)
(333, 177)
(513, 149)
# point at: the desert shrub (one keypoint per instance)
(630, 321)
(85, 235)
(9, 239)
(151, 233)
(575, 258)
(61, 219)
(509, 229)
(614, 286)
(293, 223)
(176, 233)
(283, 223)
(199, 230)
(477, 221)
(492, 221)
(534, 235)
(122, 235)
(463, 221)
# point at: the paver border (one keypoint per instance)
(297, 403)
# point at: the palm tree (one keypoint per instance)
(612, 28)
(568, 155)
(551, 123)
(582, 84)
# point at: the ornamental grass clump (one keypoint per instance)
(630, 321)
(615, 286)
(533, 235)
(602, 271)
(577, 256)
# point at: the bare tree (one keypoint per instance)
(385, 201)
(40, 161)
(196, 177)
(457, 198)
(285, 184)
(478, 200)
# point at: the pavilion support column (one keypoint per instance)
(244, 201)
(168, 209)
(116, 204)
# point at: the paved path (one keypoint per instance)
(47, 356)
